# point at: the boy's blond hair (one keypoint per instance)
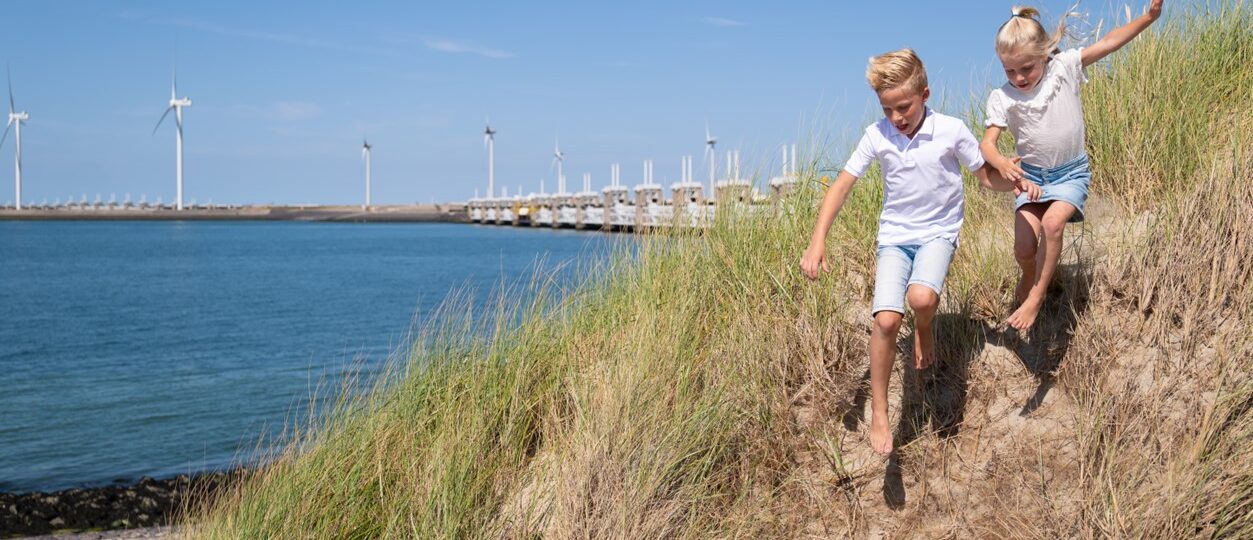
(897, 69)
(1024, 34)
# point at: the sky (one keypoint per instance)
(283, 93)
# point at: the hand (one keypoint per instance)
(1011, 172)
(1155, 9)
(814, 261)
(1033, 191)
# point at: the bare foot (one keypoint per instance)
(1024, 317)
(880, 435)
(1023, 290)
(924, 349)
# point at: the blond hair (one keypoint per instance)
(1023, 33)
(897, 69)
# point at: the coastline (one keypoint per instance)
(146, 533)
(145, 508)
(421, 213)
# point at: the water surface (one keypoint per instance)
(161, 348)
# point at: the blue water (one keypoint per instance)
(164, 348)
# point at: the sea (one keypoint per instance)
(132, 349)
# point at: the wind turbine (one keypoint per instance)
(710, 155)
(559, 159)
(365, 155)
(15, 121)
(489, 140)
(176, 105)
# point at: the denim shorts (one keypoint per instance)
(898, 267)
(1066, 182)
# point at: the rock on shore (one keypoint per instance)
(145, 504)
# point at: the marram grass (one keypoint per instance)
(673, 393)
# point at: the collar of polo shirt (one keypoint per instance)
(928, 127)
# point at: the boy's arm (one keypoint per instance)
(814, 260)
(1120, 36)
(992, 179)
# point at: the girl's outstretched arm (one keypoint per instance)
(1120, 36)
(814, 261)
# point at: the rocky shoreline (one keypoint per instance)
(147, 503)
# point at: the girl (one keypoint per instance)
(1040, 106)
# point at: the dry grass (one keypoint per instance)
(699, 387)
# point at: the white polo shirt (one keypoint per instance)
(922, 179)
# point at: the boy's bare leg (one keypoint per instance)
(887, 324)
(1027, 230)
(924, 302)
(1054, 224)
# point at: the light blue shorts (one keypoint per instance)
(1066, 182)
(898, 267)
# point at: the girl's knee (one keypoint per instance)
(1024, 250)
(887, 322)
(1053, 227)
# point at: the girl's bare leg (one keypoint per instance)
(1054, 224)
(1027, 231)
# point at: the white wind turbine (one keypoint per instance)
(559, 159)
(15, 121)
(489, 140)
(711, 156)
(176, 105)
(365, 155)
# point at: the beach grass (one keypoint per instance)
(696, 385)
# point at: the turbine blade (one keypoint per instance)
(167, 113)
(9, 76)
(6, 133)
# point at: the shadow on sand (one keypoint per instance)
(934, 399)
(1045, 345)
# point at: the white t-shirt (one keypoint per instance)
(922, 179)
(1047, 121)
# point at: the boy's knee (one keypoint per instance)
(922, 298)
(887, 323)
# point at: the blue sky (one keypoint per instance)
(284, 92)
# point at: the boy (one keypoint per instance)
(919, 151)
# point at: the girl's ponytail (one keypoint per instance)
(1023, 33)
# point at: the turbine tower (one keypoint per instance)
(365, 155)
(710, 155)
(176, 105)
(15, 121)
(489, 140)
(558, 159)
